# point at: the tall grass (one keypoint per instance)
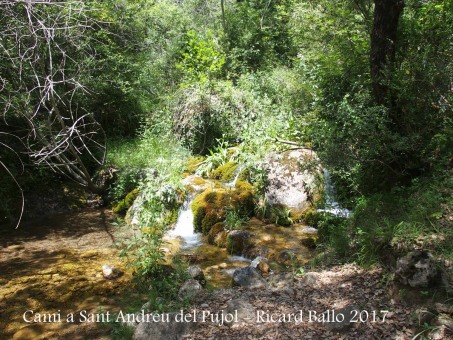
(160, 152)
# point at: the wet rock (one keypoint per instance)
(171, 330)
(189, 289)
(111, 272)
(193, 258)
(309, 242)
(416, 269)
(217, 235)
(195, 183)
(210, 206)
(293, 181)
(254, 252)
(260, 264)
(339, 324)
(248, 277)
(238, 241)
(196, 273)
(285, 257)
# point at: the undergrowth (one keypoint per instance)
(387, 225)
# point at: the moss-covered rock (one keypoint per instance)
(238, 242)
(216, 229)
(210, 206)
(193, 163)
(225, 172)
(122, 206)
(311, 217)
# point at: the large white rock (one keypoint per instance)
(294, 180)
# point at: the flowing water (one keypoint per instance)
(332, 206)
(184, 229)
(232, 184)
(215, 262)
(273, 241)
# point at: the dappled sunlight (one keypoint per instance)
(56, 267)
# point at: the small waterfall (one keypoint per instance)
(332, 206)
(232, 184)
(184, 227)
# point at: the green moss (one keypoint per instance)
(210, 206)
(122, 206)
(225, 172)
(311, 217)
(215, 230)
(193, 163)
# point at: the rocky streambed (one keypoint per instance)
(53, 266)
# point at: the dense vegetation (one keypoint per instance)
(150, 83)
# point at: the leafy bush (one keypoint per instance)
(202, 59)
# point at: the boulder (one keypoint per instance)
(248, 277)
(171, 330)
(238, 241)
(133, 213)
(309, 242)
(294, 181)
(196, 273)
(189, 289)
(211, 205)
(416, 269)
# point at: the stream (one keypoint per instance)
(55, 263)
(217, 264)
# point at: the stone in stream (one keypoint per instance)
(218, 235)
(196, 273)
(238, 241)
(111, 272)
(260, 263)
(248, 277)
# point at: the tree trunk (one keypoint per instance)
(383, 40)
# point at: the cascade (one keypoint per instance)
(184, 227)
(232, 184)
(332, 206)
